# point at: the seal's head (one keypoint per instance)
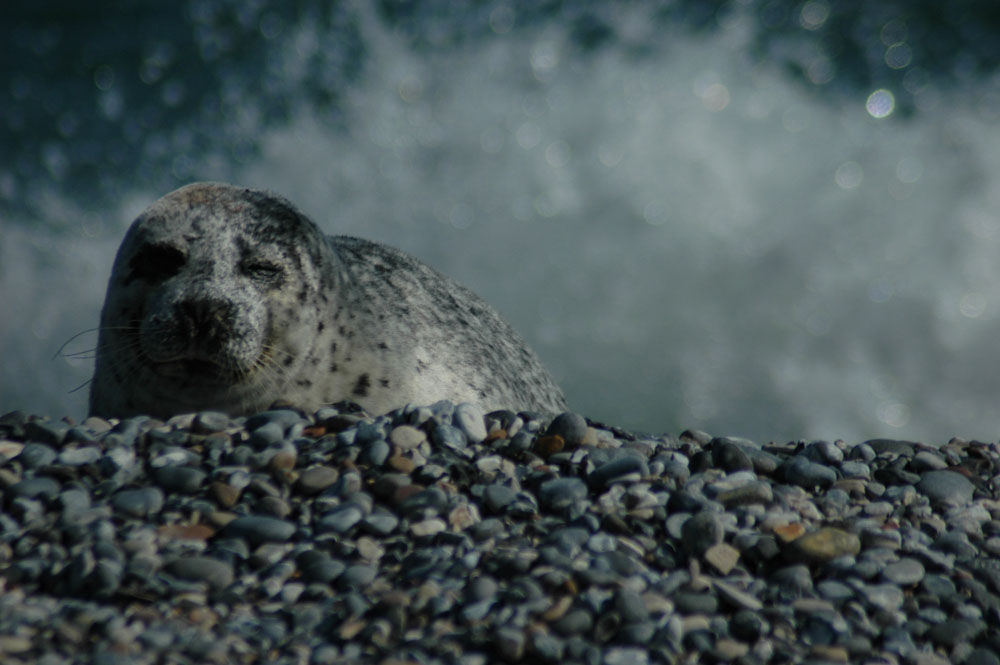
(214, 302)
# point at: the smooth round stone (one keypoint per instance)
(938, 586)
(380, 522)
(954, 631)
(470, 419)
(731, 457)
(36, 455)
(695, 603)
(184, 479)
(824, 452)
(357, 576)
(316, 479)
(824, 544)
(375, 453)
(805, 473)
(267, 435)
(561, 493)
(208, 422)
(342, 518)
(319, 567)
(903, 448)
(218, 574)
(926, 460)
(449, 437)
(482, 588)
(904, 572)
(259, 529)
(886, 597)
(630, 605)
(39, 487)
(138, 502)
(80, 456)
(796, 579)
(747, 625)
(407, 437)
(834, 591)
(574, 622)
(946, 487)
(855, 469)
(428, 527)
(498, 497)
(700, 532)
(751, 493)
(572, 427)
(625, 468)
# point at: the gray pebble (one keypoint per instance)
(469, 418)
(947, 487)
(138, 502)
(572, 427)
(218, 574)
(258, 529)
(700, 532)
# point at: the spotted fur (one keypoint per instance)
(229, 299)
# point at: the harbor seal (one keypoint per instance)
(224, 298)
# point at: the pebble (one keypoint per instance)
(946, 487)
(440, 535)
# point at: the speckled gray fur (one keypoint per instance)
(229, 299)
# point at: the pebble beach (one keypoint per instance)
(440, 534)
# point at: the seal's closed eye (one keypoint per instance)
(155, 263)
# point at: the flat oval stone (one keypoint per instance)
(947, 487)
(470, 419)
(316, 479)
(824, 544)
(218, 574)
(80, 456)
(138, 502)
(623, 468)
(561, 493)
(808, 474)
(36, 455)
(258, 529)
(904, 572)
(184, 479)
(34, 488)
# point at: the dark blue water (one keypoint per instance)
(772, 219)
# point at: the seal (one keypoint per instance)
(229, 299)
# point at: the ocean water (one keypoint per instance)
(708, 219)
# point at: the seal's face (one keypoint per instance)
(214, 302)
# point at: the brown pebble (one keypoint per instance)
(283, 460)
(224, 494)
(789, 532)
(548, 445)
(274, 506)
(314, 432)
(402, 464)
(824, 544)
(185, 532)
(558, 609)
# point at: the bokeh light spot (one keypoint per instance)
(849, 175)
(880, 103)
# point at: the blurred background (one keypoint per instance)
(769, 219)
